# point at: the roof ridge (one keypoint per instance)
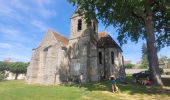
(105, 36)
(59, 36)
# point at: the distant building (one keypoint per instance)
(8, 60)
(127, 62)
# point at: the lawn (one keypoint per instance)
(18, 90)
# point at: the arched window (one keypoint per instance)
(100, 57)
(79, 25)
(94, 26)
(112, 57)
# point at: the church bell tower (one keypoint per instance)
(83, 48)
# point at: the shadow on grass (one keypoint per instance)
(131, 88)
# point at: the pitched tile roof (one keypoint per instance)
(106, 41)
(60, 38)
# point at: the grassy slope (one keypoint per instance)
(18, 90)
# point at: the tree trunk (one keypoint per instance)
(151, 46)
(16, 76)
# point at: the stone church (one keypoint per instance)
(58, 59)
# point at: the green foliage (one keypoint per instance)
(2, 75)
(168, 64)
(167, 73)
(129, 66)
(4, 66)
(14, 67)
(166, 60)
(18, 67)
(134, 19)
(145, 62)
(161, 71)
(129, 17)
(144, 50)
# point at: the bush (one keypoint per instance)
(161, 71)
(129, 66)
(2, 75)
(167, 73)
(143, 66)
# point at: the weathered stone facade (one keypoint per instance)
(58, 59)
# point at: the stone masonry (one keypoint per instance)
(58, 59)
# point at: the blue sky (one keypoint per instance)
(23, 24)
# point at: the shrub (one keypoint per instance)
(161, 71)
(167, 73)
(129, 66)
(142, 66)
(2, 75)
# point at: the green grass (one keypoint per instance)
(18, 90)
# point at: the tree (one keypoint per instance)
(2, 75)
(165, 60)
(18, 68)
(135, 19)
(3, 68)
(144, 56)
(129, 66)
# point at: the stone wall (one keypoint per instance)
(55, 62)
(107, 68)
(83, 50)
(49, 62)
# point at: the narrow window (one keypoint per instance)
(79, 25)
(100, 57)
(94, 26)
(117, 53)
(122, 60)
(112, 57)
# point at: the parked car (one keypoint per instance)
(141, 75)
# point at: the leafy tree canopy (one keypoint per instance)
(145, 62)
(4, 66)
(129, 17)
(18, 67)
(135, 19)
(129, 66)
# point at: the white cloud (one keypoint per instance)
(26, 9)
(43, 10)
(9, 31)
(8, 9)
(15, 57)
(15, 35)
(16, 51)
(46, 13)
(5, 46)
(42, 2)
(40, 25)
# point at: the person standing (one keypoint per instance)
(113, 80)
(81, 79)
